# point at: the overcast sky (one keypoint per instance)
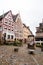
(31, 11)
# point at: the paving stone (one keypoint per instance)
(9, 57)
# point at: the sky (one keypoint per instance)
(31, 11)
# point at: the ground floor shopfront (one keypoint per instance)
(39, 38)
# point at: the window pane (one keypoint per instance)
(4, 34)
(11, 36)
(8, 36)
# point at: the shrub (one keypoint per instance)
(38, 45)
(9, 43)
(17, 43)
(42, 45)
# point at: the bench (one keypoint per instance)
(31, 51)
(16, 49)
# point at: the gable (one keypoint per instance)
(9, 16)
(18, 20)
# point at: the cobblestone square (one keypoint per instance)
(9, 57)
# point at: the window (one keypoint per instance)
(8, 36)
(11, 36)
(12, 24)
(5, 28)
(20, 31)
(5, 22)
(0, 26)
(12, 30)
(4, 34)
(9, 23)
(9, 29)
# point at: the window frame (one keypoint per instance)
(8, 37)
(11, 36)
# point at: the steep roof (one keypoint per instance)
(24, 25)
(30, 31)
(30, 35)
(28, 28)
(13, 16)
(2, 16)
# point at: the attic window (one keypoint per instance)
(8, 29)
(12, 30)
(5, 22)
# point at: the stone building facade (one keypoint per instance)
(39, 32)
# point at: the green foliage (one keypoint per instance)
(8, 43)
(14, 43)
(42, 45)
(17, 43)
(38, 45)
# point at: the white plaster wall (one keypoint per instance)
(9, 33)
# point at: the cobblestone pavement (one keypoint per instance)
(9, 57)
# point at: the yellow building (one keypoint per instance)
(26, 32)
